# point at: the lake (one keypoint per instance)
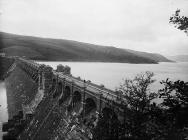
(112, 74)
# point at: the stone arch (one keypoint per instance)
(53, 83)
(76, 102)
(89, 105)
(67, 92)
(76, 97)
(66, 95)
(59, 90)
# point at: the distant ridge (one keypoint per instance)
(48, 49)
(179, 58)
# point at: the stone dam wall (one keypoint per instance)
(21, 90)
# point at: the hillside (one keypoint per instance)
(66, 50)
(155, 56)
(179, 58)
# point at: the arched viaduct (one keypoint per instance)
(76, 94)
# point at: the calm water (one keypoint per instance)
(3, 106)
(112, 74)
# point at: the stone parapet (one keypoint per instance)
(46, 79)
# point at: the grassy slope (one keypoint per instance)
(67, 50)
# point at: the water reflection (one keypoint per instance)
(3, 106)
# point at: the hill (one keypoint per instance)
(154, 56)
(48, 49)
(179, 58)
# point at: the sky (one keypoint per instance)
(141, 25)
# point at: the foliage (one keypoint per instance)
(137, 93)
(175, 96)
(107, 127)
(181, 22)
(144, 119)
(140, 122)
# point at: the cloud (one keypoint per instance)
(134, 24)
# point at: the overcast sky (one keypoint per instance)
(141, 25)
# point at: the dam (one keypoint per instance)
(52, 104)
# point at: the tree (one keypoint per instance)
(107, 126)
(175, 102)
(181, 22)
(137, 92)
(144, 119)
(140, 122)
